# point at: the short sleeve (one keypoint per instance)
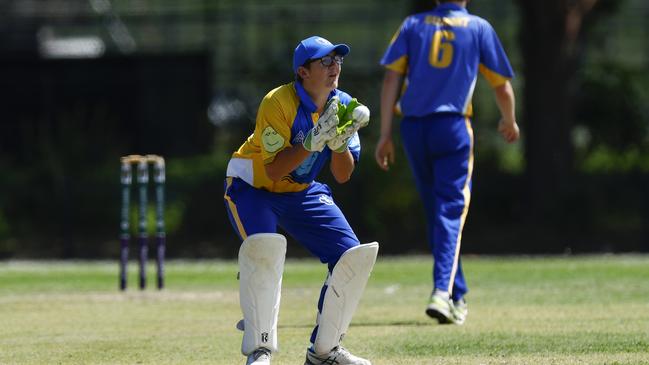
(272, 128)
(494, 64)
(396, 55)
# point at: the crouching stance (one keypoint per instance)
(270, 182)
(261, 262)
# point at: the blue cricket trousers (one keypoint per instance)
(439, 148)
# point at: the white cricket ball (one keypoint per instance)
(361, 114)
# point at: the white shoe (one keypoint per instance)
(261, 356)
(338, 356)
(460, 310)
(441, 309)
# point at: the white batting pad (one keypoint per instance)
(346, 284)
(261, 264)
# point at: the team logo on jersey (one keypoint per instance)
(299, 138)
(271, 140)
(326, 199)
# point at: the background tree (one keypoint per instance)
(191, 91)
(553, 35)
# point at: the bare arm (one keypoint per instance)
(342, 165)
(384, 153)
(286, 161)
(507, 104)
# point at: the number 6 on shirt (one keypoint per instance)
(441, 44)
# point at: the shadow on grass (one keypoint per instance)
(373, 324)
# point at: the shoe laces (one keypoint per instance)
(339, 350)
(340, 353)
(332, 357)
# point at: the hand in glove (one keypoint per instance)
(324, 129)
(352, 117)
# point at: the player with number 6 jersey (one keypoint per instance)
(432, 65)
(441, 52)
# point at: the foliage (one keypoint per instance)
(612, 132)
(611, 104)
(65, 126)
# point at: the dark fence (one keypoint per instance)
(183, 79)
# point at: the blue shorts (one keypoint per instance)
(310, 216)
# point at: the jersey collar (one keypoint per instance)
(309, 105)
(451, 7)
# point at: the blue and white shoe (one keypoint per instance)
(338, 356)
(261, 356)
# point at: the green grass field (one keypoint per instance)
(545, 310)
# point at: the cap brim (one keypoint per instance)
(341, 49)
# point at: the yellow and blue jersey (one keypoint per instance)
(441, 52)
(285, 116)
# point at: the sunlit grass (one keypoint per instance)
(545, 310)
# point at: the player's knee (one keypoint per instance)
(451, 210)
(345, 245)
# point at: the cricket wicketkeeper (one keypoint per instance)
(300, 127)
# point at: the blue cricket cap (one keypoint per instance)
(313, 48)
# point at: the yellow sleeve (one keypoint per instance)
(492, 77)
(399, 66)
(273, 128)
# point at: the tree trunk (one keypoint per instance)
(548, 69)
(551, 35)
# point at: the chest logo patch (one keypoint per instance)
(299, 138)
(271, 140)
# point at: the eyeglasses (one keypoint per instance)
(327, 61)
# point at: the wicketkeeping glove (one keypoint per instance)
(324, 129)
(352, 117)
